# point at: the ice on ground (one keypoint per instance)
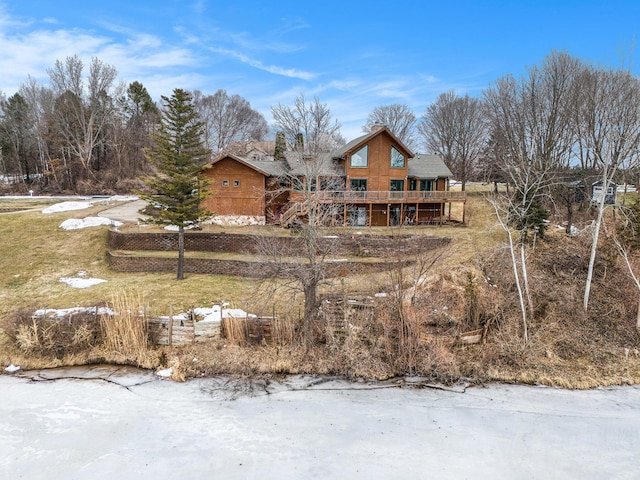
(79, 282)
(79, 223)
(11, 368)
(67, 206)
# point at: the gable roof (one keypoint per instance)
(265, 167)
(428, 166)
(357, 142)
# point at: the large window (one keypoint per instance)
(397, 159)
(360, 158)
(426, 185)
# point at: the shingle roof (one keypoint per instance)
(266, 167)
(428, 166)
(317, 164)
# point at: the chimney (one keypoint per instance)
(377, 126)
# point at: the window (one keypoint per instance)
(397, 189)
(358, 184)
(360, 159)
(236, 183)
(426, 185)
(225, 183)
(397, 159)
(396, 185)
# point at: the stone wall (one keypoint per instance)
(238, 268)
(346, 245)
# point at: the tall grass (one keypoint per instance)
(127, 331)
(235, 330)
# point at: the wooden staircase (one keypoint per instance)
(295, 211)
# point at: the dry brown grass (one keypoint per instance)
(126, 333)
(566, 348)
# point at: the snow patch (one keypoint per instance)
(66, 207)
(11, 368)
(166, 373)
(216, 313)
(63, 312)
(124, 198)
(81, 281)
(79, 223)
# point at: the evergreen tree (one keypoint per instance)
(178, 152)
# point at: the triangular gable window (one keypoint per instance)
(360, 159)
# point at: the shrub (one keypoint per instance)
(53, 337)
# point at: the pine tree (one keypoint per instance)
(178, 152)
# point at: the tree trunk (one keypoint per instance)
(638, 316)
(180, 253)
(594, 245)
(310, 310)
(569, 215)
(525, 277)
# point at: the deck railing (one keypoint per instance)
(351, 196)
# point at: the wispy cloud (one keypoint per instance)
(274, 69)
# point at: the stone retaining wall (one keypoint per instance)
(238, 268)
(345, 245)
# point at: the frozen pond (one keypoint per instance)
(126, 424)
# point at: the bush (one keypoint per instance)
(53, 337)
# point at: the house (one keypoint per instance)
(597, 191)
(374, 180)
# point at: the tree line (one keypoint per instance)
(85, 132)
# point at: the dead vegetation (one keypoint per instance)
(415, 329)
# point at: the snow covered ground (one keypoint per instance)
(125, 424)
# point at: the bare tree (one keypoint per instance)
(310, 122)
(398, 118)
(229, 119)
(532, 118)
(84, 105)
(609, 112)
(309, 274)
(455, 127)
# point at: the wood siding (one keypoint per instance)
(378, 172)
(248, 198)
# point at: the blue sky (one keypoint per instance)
(353, 56)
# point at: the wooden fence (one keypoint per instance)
(177, 330)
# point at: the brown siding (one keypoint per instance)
(379, 171)
(246, 199)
